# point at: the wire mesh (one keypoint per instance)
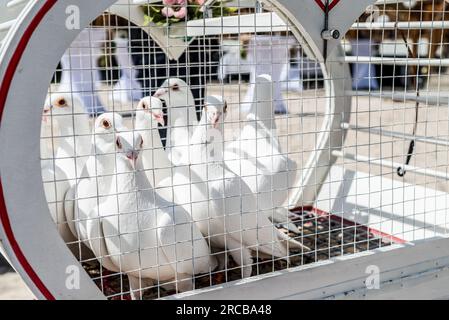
(389, 184)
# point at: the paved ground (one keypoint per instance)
(11, 285)
(13, 288)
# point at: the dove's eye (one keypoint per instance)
(61, 103)
(144, 106)
(175, 87)
(106, 124)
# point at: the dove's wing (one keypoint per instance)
(183, 243)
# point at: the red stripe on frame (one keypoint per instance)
(331, 5)
(4, 90)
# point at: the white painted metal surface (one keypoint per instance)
(408, 211)
(412, 272)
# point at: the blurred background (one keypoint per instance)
(11, 285)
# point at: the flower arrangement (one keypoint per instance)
(168, 12)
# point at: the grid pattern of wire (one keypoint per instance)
(398, 128)
(389, 184)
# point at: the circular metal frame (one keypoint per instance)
(32, 51)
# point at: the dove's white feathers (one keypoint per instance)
(143, 234)
(257, 156)
(95, 182)
(233, 221)
(181, 116)
(180, 185)
(64, 117)
(155, 160)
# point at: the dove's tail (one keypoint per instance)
(292, 243)
(281, 217)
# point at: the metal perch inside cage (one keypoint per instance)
(203, 149)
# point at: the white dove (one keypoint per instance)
(148, 238)
(95, 182)
(66, 125)
(127, 89)
(181, 116)
(257, 156)
(181, 184)
(155, 160)
(233, 221)
(64, 117)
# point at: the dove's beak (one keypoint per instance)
(159, 117)
(133, 156)
(215, 121)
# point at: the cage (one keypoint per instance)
(208, 149)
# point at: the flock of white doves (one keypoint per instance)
(167, 214)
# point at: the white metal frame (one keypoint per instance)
(412, 271)
(28, 215)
